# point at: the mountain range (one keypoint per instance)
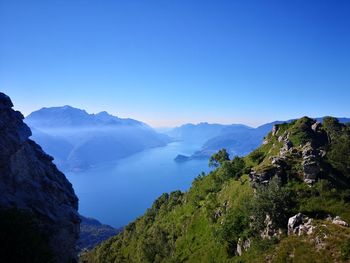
(237, 139)
(79, 140)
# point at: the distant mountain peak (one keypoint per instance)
(104, 113)
(68, 116)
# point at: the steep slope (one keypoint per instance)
(287, 201)
(38, 208)
(78, 140)
(92, 233)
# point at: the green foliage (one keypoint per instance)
(257, 156)
(338, 152)
(230, 169)
(332, 126)
(345, 251)
(275, 201)
(156, 245)
(21, 240)
(234, 226)
(301, 132)
(205, 223)
(321, 200)
(219, 158)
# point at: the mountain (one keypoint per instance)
(39, 221)
(78, 140)
(196, 132)
(286, 201)
(92, 233)
(236, 139)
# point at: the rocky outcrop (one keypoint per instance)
(311, 165)
(270, 231)
(32, 183)
(337, 221)
(263, 176)
(242, 245)
(310, 152)
(299, 225)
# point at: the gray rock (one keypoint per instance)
(242, 246)
(287, 146)
(310, 164)
(338, 221)
(316, 126)
(31, 182)
(299, 225)
(270, 231)
(274, 130)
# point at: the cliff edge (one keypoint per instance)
(31, 184)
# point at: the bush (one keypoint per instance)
(275, 201)
(219, 158)
(230, 169)
(234, 226)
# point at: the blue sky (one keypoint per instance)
(169, 62)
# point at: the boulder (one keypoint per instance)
(338, 221)
(299, 225)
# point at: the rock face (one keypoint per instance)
(310, 164)
(299, 225)
(310, 153)
(32, 183)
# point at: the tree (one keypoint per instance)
(219, 158)
(273, 200)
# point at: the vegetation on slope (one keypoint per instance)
(240, 211)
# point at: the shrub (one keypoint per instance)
(273, 200)
(219, 158)
(234, 226)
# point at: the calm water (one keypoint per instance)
(117, 193)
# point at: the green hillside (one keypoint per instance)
(240, 211)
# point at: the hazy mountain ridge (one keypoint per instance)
(93, 232)
(79, 140)
(237, 139)
(68, 116)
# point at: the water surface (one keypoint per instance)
(118, 193)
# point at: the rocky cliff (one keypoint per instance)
(32, 184)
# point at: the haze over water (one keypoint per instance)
(118, 193)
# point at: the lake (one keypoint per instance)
(117, 193)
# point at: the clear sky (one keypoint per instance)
(169, 62)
